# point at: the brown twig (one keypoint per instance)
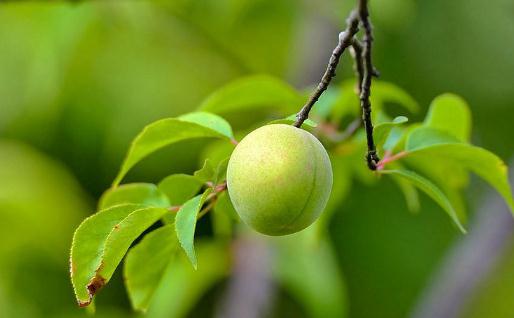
(345, 40)
(371, 157)
(364, 70)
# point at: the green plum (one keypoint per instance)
(279, 179)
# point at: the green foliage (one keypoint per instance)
(383, 130)
(79, 81)
(185, 224)
(179, 188)
(207, 173)
(182, 286)
(383, 93)
(210, 121)
(434, 156)
(310, 273)
(146, 265)
(430, 143)
(121, 237)
(450, 113)
(251, 93)
(100, 243)
(146, 194)
(431, 190)
(88, 243)
(168, 131)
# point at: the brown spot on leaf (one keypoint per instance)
(95, 285)
(84, 303)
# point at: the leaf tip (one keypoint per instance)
(83, 304)
(93, 287)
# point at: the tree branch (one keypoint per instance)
(371, 157)
(364, 72)
(345, 40)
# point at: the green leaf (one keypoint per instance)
(310, 273)
(121, 237)
(409, 192)
(211, 121)
(423, 137)
(221, 223)
(185, 225)
(253, 92)
(341, 185)
(385, 92)
(180, 187)
(146, 264)
(87, 246)
(381, 94)
(221, 171)
(451, 114)
(448, 175)
(224, 205)
(394, 138)
(217, 151)
(146, 194)
(207, 173)
(398, 137)
(430, 143)
(382, 130)
(182, 286)
(291, 119)
(163, 133)
(431, 190)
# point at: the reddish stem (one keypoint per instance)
(390, 158)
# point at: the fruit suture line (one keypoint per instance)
(364, 71)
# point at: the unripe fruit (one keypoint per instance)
(279, 179)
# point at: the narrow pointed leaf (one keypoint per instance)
(431, 190)
(146, 265)
(409, 193)
(185, 225)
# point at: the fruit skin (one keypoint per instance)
(279, 179)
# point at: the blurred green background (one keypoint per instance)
(79, 79)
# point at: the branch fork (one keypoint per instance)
(364, 70)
